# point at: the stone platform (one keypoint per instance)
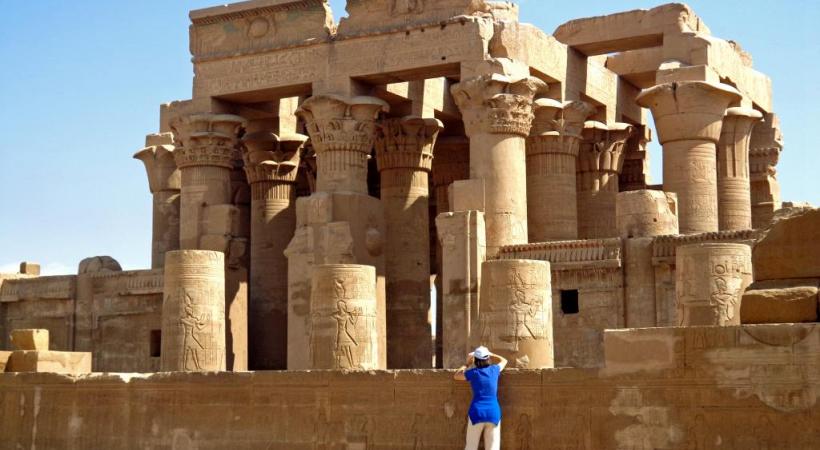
(749, 387)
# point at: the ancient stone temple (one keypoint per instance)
(340, 202)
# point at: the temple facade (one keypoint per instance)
(424, 177)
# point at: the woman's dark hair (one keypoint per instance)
(482, 362)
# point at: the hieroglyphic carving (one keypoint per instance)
(344, 330)
(230, 30)
(711, 279)
(193, 312)
(516, 317)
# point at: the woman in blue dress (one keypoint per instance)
(482, 371)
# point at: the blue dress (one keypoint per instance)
(484, 407)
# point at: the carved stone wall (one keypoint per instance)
(587, 291)
(677, 389)
(116, 315)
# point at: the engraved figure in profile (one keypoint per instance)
(191, 324)
(724, 299)
(346, 343)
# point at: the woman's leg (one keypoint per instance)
(492, 436)
(473, 435)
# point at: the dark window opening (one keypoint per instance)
(156, 343)
(569, 301)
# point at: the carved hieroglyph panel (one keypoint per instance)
(516, 312)
(193, 312)
(711, 279)
(344, 330)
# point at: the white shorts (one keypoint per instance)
(491, 432)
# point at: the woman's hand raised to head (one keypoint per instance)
(502, 361)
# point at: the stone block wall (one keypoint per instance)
(737, 388)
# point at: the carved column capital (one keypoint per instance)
(602, 148)
(337, 123)
(406, 143)
(499, 101)
(342, 132)
(688, 110)
(557, 126)
(268, 157)
(158, 157)
(207, 140)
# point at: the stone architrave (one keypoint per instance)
(271, 165)
(516, 312)
(600, 160)
(497, 109)
(734, 188)
(404, 153)
(688, 117)
(164, 183)
(552, 157)
(207, 148)
(463, 244)
(766, 145)
(193, 312)
(344, 330)
(710, 281)
(342, 131)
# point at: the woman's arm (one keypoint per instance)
(501, 361)
(459, 375)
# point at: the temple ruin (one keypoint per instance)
(339, 202)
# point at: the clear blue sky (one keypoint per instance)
(82, 80)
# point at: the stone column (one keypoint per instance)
(734, 191)
(766, 145)
(710, 281)
(600, 161)
(635, 174)
(496, 106)
(641, 216)
(463, 244)
(193, 312)
(342, 131)
(552, 156)
(452, 163)
(404, 153)
(340, 223)
(206, 153)
(516, 312)
(688, 117)
(345, 333)
(164, 183)
(271, 165)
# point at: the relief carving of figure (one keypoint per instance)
(523, 310)
(192, 346)
(725, 300)
(698, 434)
(346, 343)
(523, 433)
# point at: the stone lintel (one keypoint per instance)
(380, 16)
(628, 30)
